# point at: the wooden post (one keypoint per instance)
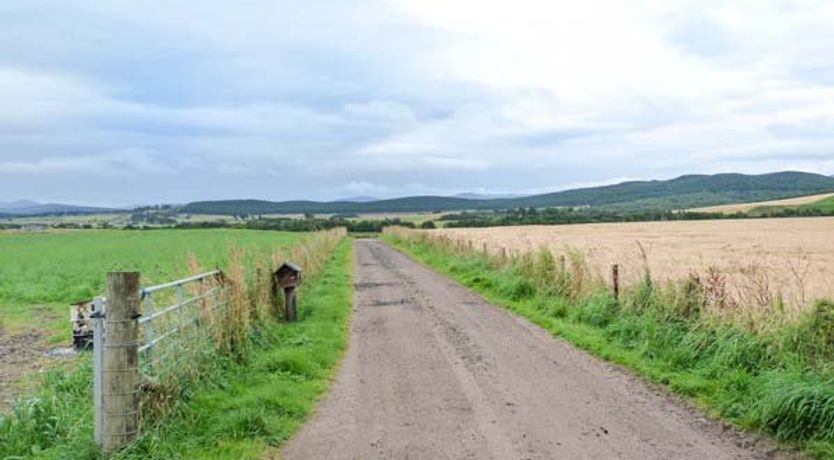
(485, 248)
(120, 379)
(274, 306)
(563, 265)
(615, 277)
(470, 245)
(290, 304)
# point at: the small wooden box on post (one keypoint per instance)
(288, 277)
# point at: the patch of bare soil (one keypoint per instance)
(20, 356)
(434, 371)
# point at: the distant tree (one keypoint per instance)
(429, 224)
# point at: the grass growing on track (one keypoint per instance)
(239, 409)
(781, 383)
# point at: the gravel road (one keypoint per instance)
(433, 371)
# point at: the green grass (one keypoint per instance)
(41, 273)
(239, 409)
(826, 204)
(781, 383)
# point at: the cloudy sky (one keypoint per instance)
(117, 103)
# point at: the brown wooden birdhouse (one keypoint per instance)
(288, 275)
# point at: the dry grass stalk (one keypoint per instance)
(237, 327)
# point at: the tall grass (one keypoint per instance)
(688, 334)
(56, 422)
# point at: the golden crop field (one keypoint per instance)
(762, 259)
(744, 207)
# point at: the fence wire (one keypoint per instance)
(178, 332)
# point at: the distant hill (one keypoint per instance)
(32, 208)
(409, 204)
(359, 199)
(680, 193)
(20, 204)
(688, 191)
(486, 196)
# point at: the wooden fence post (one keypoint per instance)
(563, 264)
(291, 304)
(274, 306)
(120, 376)
(485, 248)
(615, 277)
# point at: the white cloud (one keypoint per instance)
(408, 95)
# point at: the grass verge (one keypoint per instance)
(780, 383)
(241, 406)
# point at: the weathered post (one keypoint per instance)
(485, 248)
(120, 376)
(470, 245)
(288, 276)
(563, 265)
(615, 277)
(503, 254)
(291, 306)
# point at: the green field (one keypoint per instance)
(41, 273)
(826, 204)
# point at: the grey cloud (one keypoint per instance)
(107, 99)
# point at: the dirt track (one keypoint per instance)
(433, 371)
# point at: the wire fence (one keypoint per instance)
(150, 344)
(175, 332)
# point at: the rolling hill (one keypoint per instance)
(32, 208)
(680, 193)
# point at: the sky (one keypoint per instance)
(124, 103)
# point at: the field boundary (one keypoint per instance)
(746, 207)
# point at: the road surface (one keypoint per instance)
(434, 372)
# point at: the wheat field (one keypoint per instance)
(764, 260)
(744, 207)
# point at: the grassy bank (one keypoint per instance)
(241, 402)
(780, 382)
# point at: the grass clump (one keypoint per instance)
(776, 379)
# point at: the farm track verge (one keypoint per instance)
(778, 381)
(434, 371)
